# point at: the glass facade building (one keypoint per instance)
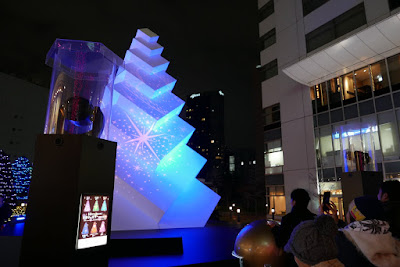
(356, 121)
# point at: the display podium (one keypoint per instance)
(68, 220)
(359, 183)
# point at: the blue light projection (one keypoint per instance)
(156, 185)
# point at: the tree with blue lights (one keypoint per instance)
(22, 175)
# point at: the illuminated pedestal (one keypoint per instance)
(70, 198)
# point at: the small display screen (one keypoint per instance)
(93, 221)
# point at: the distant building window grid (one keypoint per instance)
(339, 26)
(231, 163)
(385, 115)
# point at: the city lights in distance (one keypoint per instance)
(194, 95)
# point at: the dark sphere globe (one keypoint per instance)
(256, 244)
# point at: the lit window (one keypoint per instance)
(203, 119)
(273, 159)
(254, 162)
(212, 141)
(231, 167)
(242, 163)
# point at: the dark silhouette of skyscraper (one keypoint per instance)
(205, 112)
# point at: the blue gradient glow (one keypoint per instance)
(155, 170)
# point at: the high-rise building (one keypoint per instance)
(205, 112)
(330, 91)
(22, 115)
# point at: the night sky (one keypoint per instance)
(212, 45)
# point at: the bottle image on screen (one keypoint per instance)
(94, 229)
(102, 227)
(85, 230)
(96, 206)
(104, 206)
(87, 206)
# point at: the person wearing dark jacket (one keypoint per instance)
(389, 195)
(299, 213)
(366, 240)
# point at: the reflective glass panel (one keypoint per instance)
(335, 92)
(363, 83)
(322, 97)
(326, 147)
(312, 96)
(388, 135)
(349, 93)
(394, 71)
(273, 159)
(337, 145)
(317, 148)
(379, 77)
(370, 143)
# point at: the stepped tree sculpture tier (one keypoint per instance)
(81, 88)
(156, 185)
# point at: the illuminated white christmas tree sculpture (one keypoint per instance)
(156, 185)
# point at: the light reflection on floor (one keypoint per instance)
(208, 244)
(214, 242)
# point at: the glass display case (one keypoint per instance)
(81, 89)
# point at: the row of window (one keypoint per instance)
(339, 26)
(308, 7)
(370, 81)
(360, 131)
(372, 141)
